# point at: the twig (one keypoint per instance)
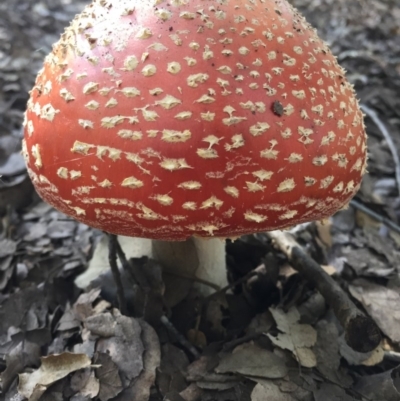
(384, 220)
(392, 147)
(392, 356)
(231, 345)
(255, 272)
(361, 332)
(112, 258)
(185, 343)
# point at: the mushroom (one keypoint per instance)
(190, 119)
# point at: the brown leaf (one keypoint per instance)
(268, 390)
(53, 368)
(140, 390)
(125, 346)
(251, 360)
(295, 337)
(381, 303)
(107, 374)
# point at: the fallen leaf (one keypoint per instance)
(251, 360)
(375, 387)
(53, 368)
(85, 384)
(381, 303)
(327, 353)
(20, 354)
(7, 247)
(328, 391)
(107, 374)
(140, 387)
(268, 390)
(83, 307)
(295, 337)
(125, 346)
(376, 357)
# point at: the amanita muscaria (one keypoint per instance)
(193, 118)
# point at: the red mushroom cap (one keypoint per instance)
(166, 119)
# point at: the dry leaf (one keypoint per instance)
(53, 368)
(295, 337)
(381, 303)
(251, 360)
(376, 357)
(124, 345)
(327, 352)
(107, 374)
(268, 390)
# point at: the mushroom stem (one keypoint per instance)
(197, 259)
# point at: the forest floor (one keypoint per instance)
(272, 336)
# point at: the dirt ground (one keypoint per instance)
(271, 336)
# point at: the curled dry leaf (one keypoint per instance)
(53, 368)
(296, 337)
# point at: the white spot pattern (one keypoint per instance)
(255, 111)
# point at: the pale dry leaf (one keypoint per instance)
(83, 307)
(329, 269)
(295, 337)
(85, 384)
(376, 357)
(268, 390)
(92, 387)
(381, 303)
(53, 368)
(251, 360)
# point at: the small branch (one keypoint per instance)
(384, 220)
(361, 332)
(231, 345)
(121, 254)
(255, 272)
(392, 147)
(181, 339)
(112, 258)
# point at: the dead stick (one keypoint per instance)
(112, 258)
(180, 337)
(361, 332)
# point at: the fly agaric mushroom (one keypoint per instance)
(190, 118)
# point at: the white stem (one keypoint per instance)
(195, 263)
(198, 259)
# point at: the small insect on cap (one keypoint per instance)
(166, 119)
